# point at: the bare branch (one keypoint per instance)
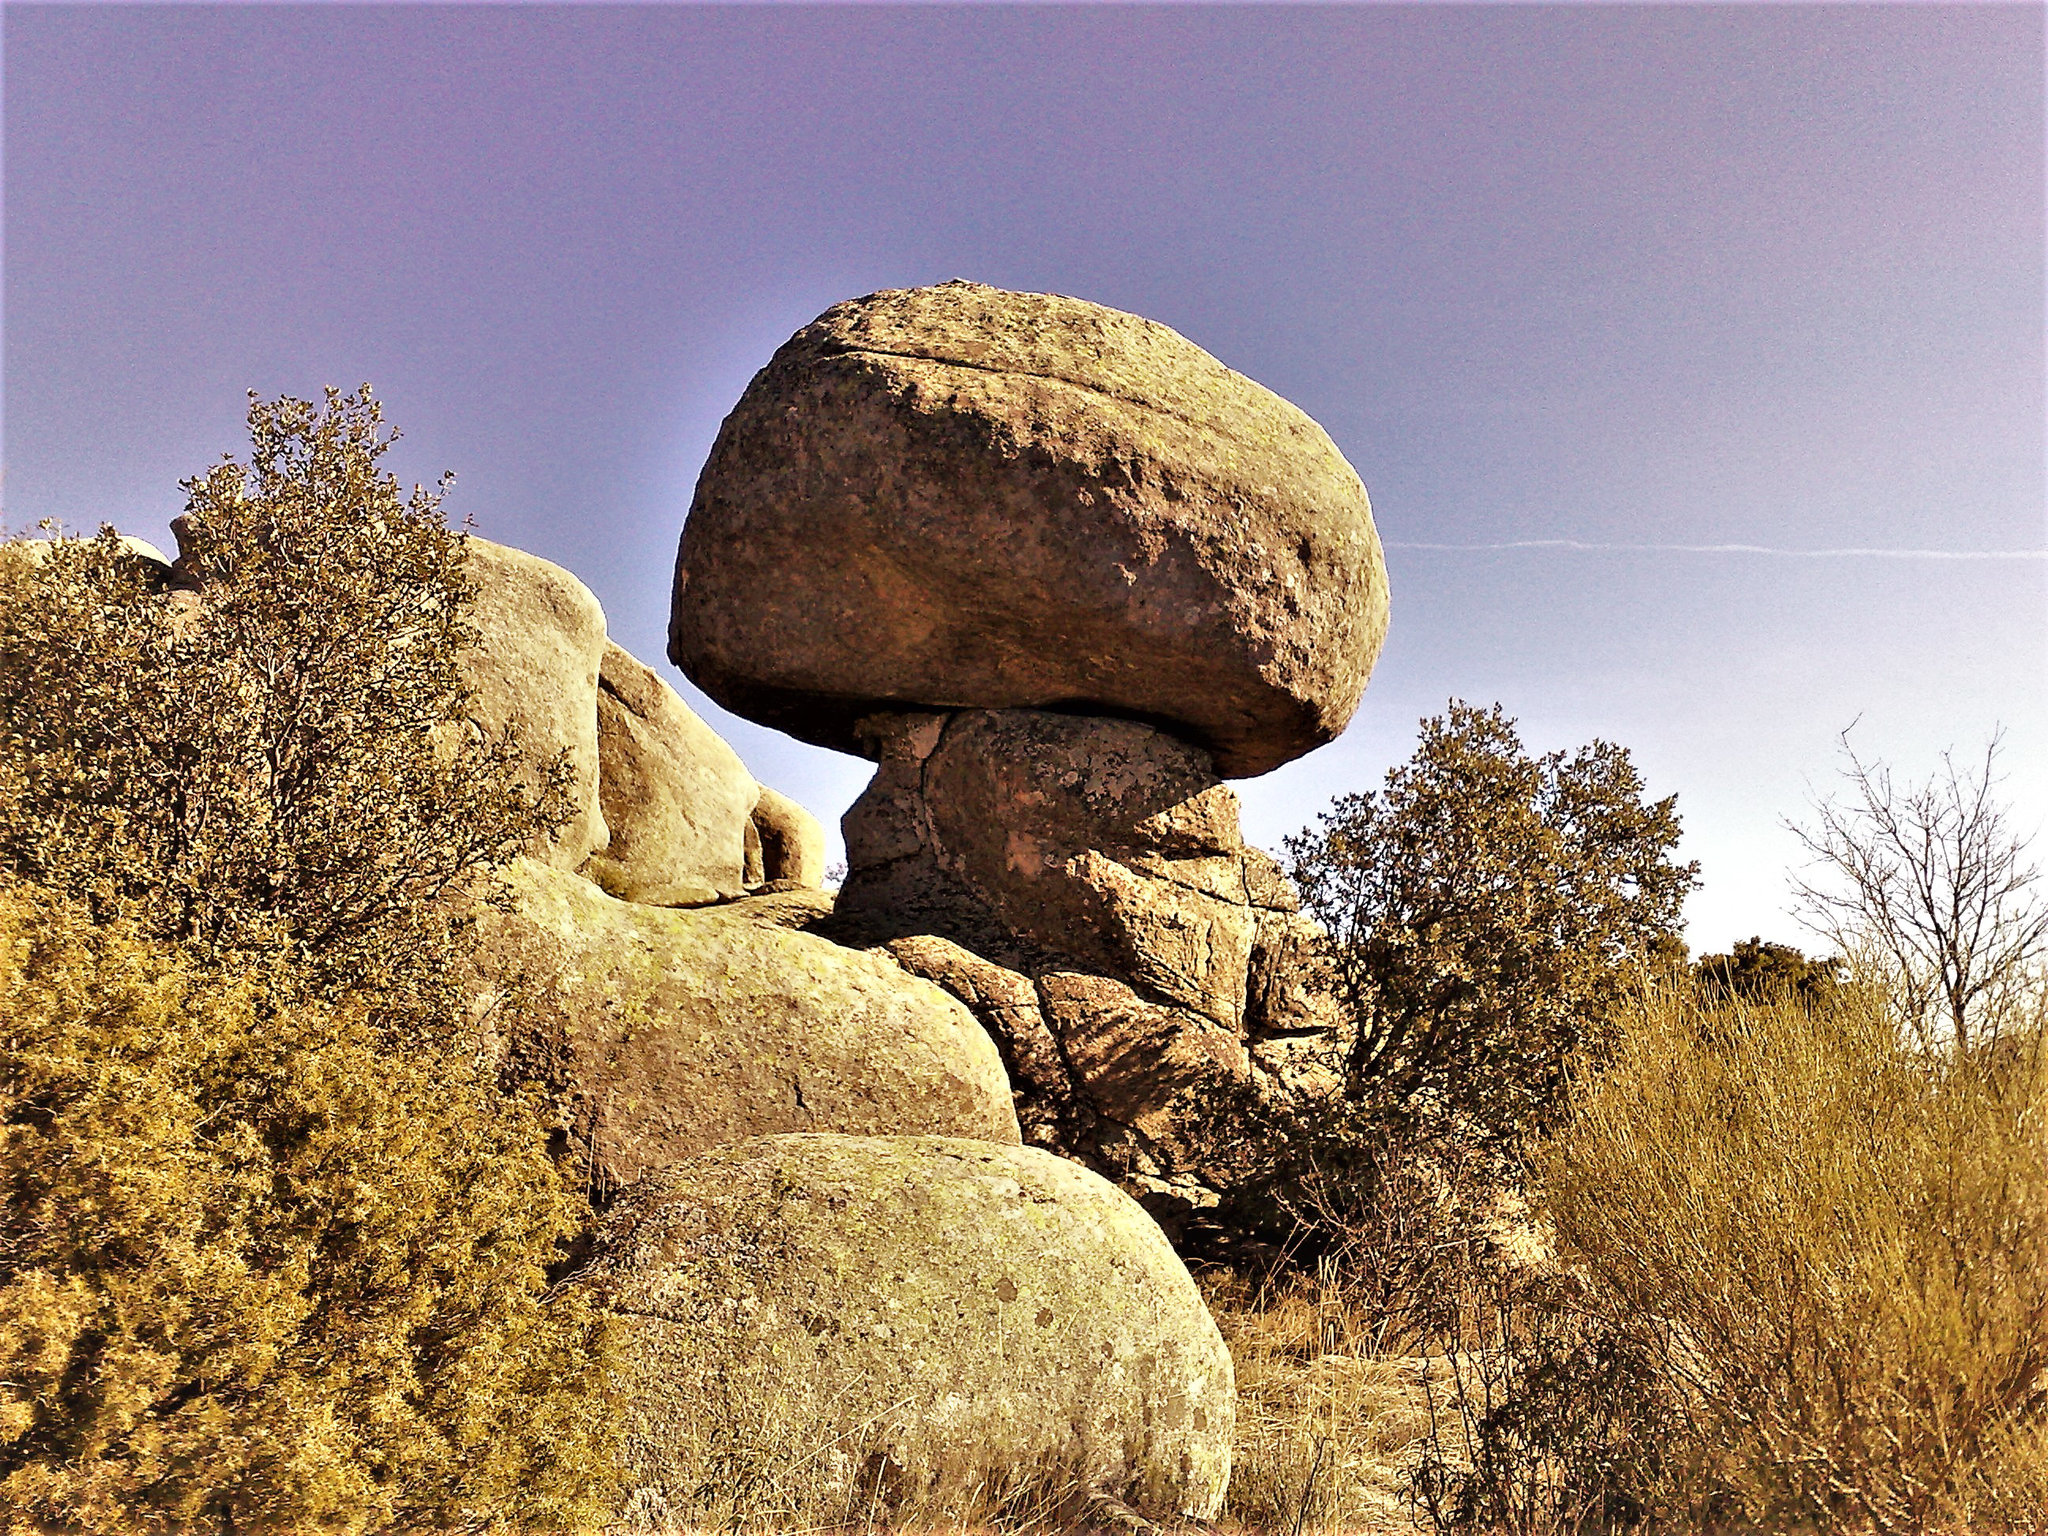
(1930, 886)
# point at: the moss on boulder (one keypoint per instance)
(660, 1033)
(826, 1323)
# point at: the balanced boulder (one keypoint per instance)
(536, 671)
(919, 1320)
(660, 1033)
(952, 497)
(676, 798)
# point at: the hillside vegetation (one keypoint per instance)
(364, 1172)
(275, 1248)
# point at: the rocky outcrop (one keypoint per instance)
(792, 843)
(958, 496)
(150, 566)
(676, 798)
(930, 1318)
(658, 1034)
(536, 670)
(1083, 886)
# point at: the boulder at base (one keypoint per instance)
(960, 497)
(676, 798)
(659, 1033)
(923, 1318)
(536, 670)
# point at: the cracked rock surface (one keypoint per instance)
(957, 496)
(1082, 885)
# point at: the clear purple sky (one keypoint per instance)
(1620, 275)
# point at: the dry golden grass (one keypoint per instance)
(1844, 1242)
(1327, 1429)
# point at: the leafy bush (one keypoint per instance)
(1758, 972)
(1487, 912)
(283, 763)
(260, 1270)
(1484, 916)
(275, 1249)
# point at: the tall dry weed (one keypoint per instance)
(1843, 1242)
(1327, 1424)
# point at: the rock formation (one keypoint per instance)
(791, 841)
(931, 1317)
(677, 800)
(959, 497)
(1057, 571)
(536, 670)
(661, 1034)
(1082, 884)
(818, 1215)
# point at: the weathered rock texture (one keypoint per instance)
(536, 670)
(1082, 885)
(962, 497)
(792, 842)
(676, 798)
(662, 1033)
(926, 1316)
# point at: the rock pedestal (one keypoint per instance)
(1083, 886)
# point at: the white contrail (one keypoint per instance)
(1731, 549)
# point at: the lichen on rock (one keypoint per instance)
(920, 1320)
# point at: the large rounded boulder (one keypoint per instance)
(961, 497)
(659, 1033)
(909, 1322)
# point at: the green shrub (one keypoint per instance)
(1486, 914)
(260, 1271)
(1758, 972)
(1484, 917)
(284, 763)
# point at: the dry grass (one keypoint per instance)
(1844, 1242)
(1327, 1429)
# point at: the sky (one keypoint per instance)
(1692, 355)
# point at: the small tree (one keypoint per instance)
(1930, 885)
(285, 763)
(1486, 914)
(1758, 972)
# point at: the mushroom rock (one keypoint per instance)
(961, 497)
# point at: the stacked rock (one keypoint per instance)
(1058, 572)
